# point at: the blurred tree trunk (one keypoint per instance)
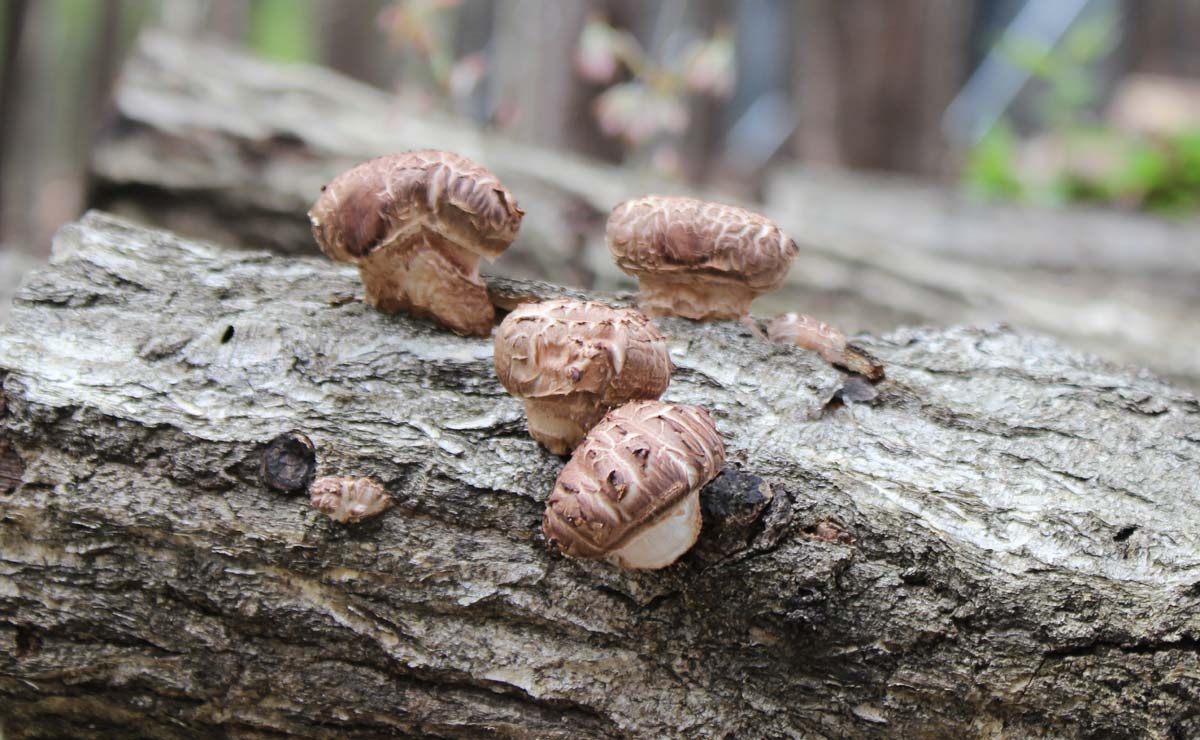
(98, 75)
(1162, 35)
(352, 42)
(706, 127)
(14, 22)
(228, 18)
(874, 79)
(31, 130)
(543, 98)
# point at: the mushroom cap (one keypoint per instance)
(348, 500)
(662, 235)
(388, 199)
(566, 347)
(638, 463)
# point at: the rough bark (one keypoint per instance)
(211, 143)
(1004, 543)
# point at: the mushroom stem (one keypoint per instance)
(662, 543)
(693, 298)
(429, 276)
(561, 423)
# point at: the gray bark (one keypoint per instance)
(211, 143)
(1004, 543)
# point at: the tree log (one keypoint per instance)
(1004, 542)
(212, 143)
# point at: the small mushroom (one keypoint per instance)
(631, 492)
(826, 341)
(573, 361)
(348, 500)
(696, 259)
(416, 225)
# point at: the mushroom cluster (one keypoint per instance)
(589, 374)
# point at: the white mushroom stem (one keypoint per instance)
(694, 297)
(664, 541)
(561, 423)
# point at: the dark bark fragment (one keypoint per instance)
(289, 462)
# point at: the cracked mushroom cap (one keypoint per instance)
(573, 361)
(631, 491)
(348, 500)
(416, 224)
(378, 202)
(697, 259)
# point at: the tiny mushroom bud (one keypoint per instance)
(631, 492)
(827, 341)
(348, 500)
(416, 225)
(573, 361)
(696, 259)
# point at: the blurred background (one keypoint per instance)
(1030, 161)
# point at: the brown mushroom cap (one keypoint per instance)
(572, 361)
(697, 259)
(348, 500)
(416, 224)
(630, 492)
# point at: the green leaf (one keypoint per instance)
(989, 171)
(1074, 90)
(1027, 54)
(1091, 39)
(282, 29)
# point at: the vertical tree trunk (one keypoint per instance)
(14, 23)
(228, 19)
(353, 43)
(875, 78)
(536, 85)
(1161, 37)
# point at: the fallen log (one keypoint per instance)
(210, 142)
(1004, 541)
